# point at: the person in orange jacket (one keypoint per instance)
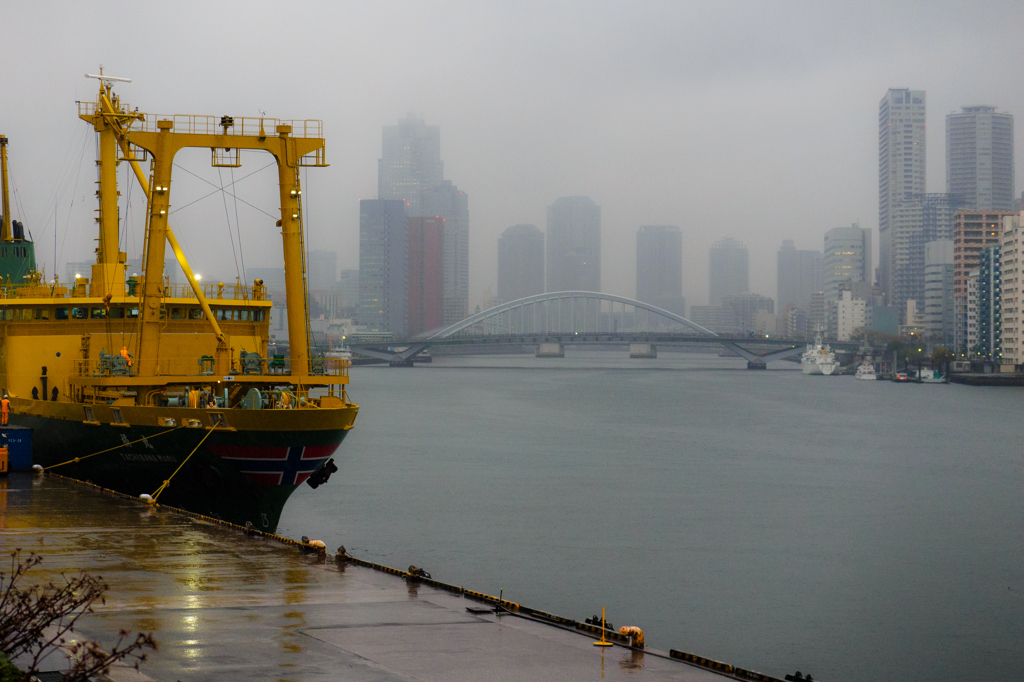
(5, 410)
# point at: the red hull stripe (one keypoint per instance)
(236, 452)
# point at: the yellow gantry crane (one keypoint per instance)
(294, 144)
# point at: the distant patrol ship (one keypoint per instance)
(819, 358)
(165, 391)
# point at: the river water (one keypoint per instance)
(854, 530)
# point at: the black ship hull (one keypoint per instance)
(235, 475)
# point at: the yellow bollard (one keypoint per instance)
(603, 641)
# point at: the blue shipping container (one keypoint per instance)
(19, 448)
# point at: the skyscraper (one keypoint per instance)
(979, 158)
(426, 274)
(410, 169)
(574, 245)
(728, 272)
(916, 220)
(799, 275)
(321, 269)
(847, 258)
(410, 162)
(659, 267)
(383, 265)
(520, 263)
(938, 291)
(901, 165)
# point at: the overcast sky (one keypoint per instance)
(757, 120)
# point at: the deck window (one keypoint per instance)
(259, 315)
(27, 314)
(61, 314)
(177, 313)
(243, 315)
(116, 313)
(80, 313)
(99, 313)
(133, 311)
(195, 313)
(42, 313)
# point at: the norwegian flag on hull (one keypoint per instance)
(275, 465)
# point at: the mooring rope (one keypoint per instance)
(117, 447)
(163, 486)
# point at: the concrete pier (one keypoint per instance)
(550, 350)
(642, 350)
(226, 606)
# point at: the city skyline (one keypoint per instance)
(663, 158)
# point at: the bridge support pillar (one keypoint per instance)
(642, 350)
(550, 350)
(756, 364)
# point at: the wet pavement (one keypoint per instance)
(224, 606)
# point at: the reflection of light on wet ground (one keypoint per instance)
(222, 605)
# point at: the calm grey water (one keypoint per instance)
(854, 530)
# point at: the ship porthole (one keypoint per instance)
(58, 354)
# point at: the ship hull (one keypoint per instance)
(236, 474)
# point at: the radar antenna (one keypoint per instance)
(107, 80)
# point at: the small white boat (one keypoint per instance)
(866, 372)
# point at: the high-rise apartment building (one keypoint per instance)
(574, 245)
(979, 158)
(916, 220)
(938, 291)
(847, 258)
(972, 232)
(410, 169)
(990, 328)
(746, 308)
(728, 270)
(901, 165)
(426, 274)
(1011, 261)
(800, 274)
(520, 263)
(659, 267)
(383, 265)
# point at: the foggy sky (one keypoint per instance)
(755, 120)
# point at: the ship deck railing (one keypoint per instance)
(212, 292)
(205, 368)
(212, 125)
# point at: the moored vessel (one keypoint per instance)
(819, 358)
(163, 390)
(866, 372)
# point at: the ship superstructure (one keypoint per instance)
(175, 372)
(819, 358)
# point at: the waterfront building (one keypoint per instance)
(901, 166)
(970, 347)
(850, 315)
(938, 291)
(383, 265)
(520, 263)
(426, 274)
(574, 245)
(847, 258)
(979, 158)
(990, 305)
(972, 232)
(1012, 296)
(793, 322)
(915, 221)
(799, 274)
(745, 308)
(728, 271)
(659, 267)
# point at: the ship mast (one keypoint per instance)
(5, 234)
(162, 140)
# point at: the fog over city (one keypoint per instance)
(757, 121)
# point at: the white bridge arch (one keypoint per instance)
(585, 312)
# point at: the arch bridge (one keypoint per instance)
(577, 318)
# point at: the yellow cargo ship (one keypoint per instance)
(167, 391)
